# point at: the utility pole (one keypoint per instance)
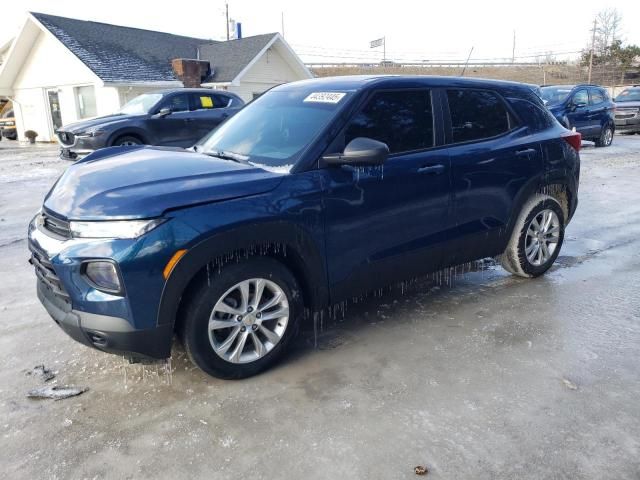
(226, 7)
(593, 45)
(513, 51)
(467, 62)
(384, 49)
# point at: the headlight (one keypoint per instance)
(113, 229)
(92, 132)
(103, 275)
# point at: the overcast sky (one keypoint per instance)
(340, 30)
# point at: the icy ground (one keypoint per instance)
(494, 377)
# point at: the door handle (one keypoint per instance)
(225, 115)
(526, 152)
(431, 169)
(189, 119)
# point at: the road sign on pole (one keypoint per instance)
(380, 42)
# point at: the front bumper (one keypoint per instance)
(109, 334)
(628, 125)
(71, 146)
(89, 316)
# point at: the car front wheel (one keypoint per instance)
(536, 239)
(240, 321)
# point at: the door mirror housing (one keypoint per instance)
(166, 111)
(574, 106)
(360, 151)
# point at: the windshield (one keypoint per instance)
(629, 95)
(273, 131)
(141, 104)
(555, 95)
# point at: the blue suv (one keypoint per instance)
(313, 194)
(587, 108)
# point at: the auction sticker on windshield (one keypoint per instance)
(325, 97)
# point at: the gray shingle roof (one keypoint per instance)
(122, 54)
(228, 59)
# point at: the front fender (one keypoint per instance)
(298, 252)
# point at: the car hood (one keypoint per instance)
(145, 182)
(627, 104)
(79, 127)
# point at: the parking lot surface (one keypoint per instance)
(485, 376)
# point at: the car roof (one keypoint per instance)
(194, 90)
(361, 82)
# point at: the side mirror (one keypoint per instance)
(574, 106)
(166, 111)
(360, 151)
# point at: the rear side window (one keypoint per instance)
(402, 119)
(597, 96)
(477, 114)
(207, 101)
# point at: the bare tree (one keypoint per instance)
(608, 23)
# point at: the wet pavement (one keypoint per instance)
(491, 377)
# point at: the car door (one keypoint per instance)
(599, 110)
(385, 224)
(172, 129)
(492, 158)
(578, 112)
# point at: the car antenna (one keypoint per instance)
(467, 62)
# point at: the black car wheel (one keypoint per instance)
(127, 140)
(240, 321)
(536, 239)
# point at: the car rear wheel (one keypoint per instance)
(240, 321)
(127, 141)
(536, 239)
(606, 137)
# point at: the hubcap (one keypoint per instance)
(248, 320)
(542, 237)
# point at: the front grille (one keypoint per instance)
(624, 113)
(46, 273)
(56, 226)
(66, 138)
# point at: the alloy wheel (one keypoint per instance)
(248, 320)
(542, 237)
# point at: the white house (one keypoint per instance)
(59, 70)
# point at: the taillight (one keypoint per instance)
(574, 139)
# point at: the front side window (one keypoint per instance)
(581, 98)
(401, 119)
(477, 114)
(177, 103)
(86, 100)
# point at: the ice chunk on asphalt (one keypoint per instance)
(43, 372)
(55, 392)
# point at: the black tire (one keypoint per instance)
(127, 140)
(514, 258)
(606, 137)
(194, 324)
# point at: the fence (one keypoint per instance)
(544, 73)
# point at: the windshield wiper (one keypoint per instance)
(236, 157)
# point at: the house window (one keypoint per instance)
(86, 101)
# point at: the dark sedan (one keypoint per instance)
(176, 118)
